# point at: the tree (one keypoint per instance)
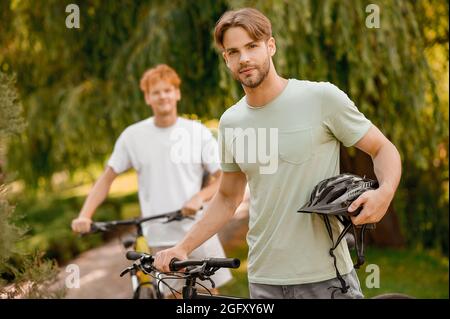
(84, 90)
(21, 273)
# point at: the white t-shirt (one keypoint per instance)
(169, 163)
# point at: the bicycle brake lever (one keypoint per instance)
(213, 284)
(126, 270)
(203, 278)
(205, 274)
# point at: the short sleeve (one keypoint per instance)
(120, 160)
(210, 151)
(227, 161)
(341, 117)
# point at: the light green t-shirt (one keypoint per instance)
(285, 148)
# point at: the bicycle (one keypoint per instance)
(196, 269)
(144, 285)
(203, 270)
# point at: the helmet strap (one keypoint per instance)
(344, 286)
(359, 246)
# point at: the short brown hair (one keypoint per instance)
(253, 21)
(158, 73)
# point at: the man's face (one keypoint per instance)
(163, 98)
(248, 60)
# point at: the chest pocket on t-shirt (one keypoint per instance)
(295, 145)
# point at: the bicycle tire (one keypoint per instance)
(146, 292)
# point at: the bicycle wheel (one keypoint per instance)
(392, 296)
(146, 291)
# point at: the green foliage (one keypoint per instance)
(22, 273)
(9, 233)
(29, 276)
(11, 120)
(49, 219)
(80, 86)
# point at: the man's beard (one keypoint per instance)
(258, 78)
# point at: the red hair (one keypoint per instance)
(161, 72)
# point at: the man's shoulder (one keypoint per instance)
(322, 90)
(318, 86)
(311, 86)
(191, 124)
(137, 127)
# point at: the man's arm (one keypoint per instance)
(204, 195)
(243, 209)
(387, 167)
(96, 196)
(219, 212)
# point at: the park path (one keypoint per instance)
(99, 268)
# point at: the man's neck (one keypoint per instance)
(268, 90)
(165, 120)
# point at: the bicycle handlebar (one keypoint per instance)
(134, 255)
(176, 264)
(204, 268)
(105, 226)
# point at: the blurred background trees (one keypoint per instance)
(22, 272)
(79, 87)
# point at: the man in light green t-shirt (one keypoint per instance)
(282, 138)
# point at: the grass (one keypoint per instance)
(418, 273)
(238, 286)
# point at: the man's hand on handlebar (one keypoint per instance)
(81, 225)
(193, 205)
(163, 258)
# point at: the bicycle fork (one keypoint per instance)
(135, 283)
(138, 278)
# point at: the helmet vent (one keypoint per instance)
(336, 195)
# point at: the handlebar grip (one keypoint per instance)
(94, 228)
(133, 255)
(224, 262)
(174, 264)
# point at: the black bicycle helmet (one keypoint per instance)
(332, 197)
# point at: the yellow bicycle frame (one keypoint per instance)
(141, 246)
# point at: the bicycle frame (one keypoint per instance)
(138, 278)
(190, 292)
(195, 269)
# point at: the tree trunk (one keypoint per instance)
(387, 232)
